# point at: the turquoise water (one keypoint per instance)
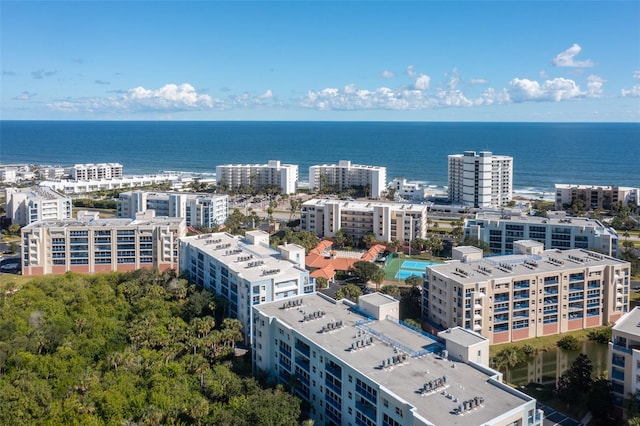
(416, 264)
(406, 273)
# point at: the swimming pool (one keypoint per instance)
(406, 273)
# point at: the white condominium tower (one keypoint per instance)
(480, 179)
(245, 271)
(28, 205)
(345, 175)
(198, 209)
(260, 176)
(358, 365)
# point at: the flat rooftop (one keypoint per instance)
(629, 323)
(559, 218)
(250, 261)
(509, 266)
(365, 205)
(462, 336)
(404, 379)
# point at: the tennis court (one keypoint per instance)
(412, 267)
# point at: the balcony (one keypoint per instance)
(621, 349)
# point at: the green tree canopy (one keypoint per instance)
(366, 271)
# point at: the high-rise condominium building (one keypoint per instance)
(260, 176)
(358, 365)
(344, 175)
(480, 179)
(89, 244)
(387, 221)
(200, 210)
(556, 231)
(28, 205)
(246, 271)
(530, 294)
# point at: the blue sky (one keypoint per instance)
(318, 60)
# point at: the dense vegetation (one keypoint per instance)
(135, 348)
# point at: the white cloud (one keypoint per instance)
(169, 98)
(634, 92)
(479, 81)
(266, 95)
(636, 75)
(24, 96)
(566, 58)
(411, 71)
(594, 86)
(422, 82)
(558, 89)
(387, 74)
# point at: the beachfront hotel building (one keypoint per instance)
(245, 270)
(356, 364)
(387, 221)
(556, 231)
(595, 197)
(28, 205)
(199, 210)
(96, 171)
(624, 358)
(344, 175)
(480, 179)
(89, 244)
(532, 293)
(260, 176)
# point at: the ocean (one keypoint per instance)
(544, 153)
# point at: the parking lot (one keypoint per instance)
(556, 418)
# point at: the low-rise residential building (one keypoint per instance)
(411, 191)
(199, 210)
(344, 175)
(89, 244)
(401, 222)
(624, 358)
(556, 231)
(480, 179)
(70, 186)
(28, 205)
(96, 171)
(245, 271)
(595, 197)
(357, 364)
(260, 176)
(532, 293)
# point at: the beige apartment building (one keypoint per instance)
(89, 244)
(532, 293)
(387, 221)
(595, 197)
